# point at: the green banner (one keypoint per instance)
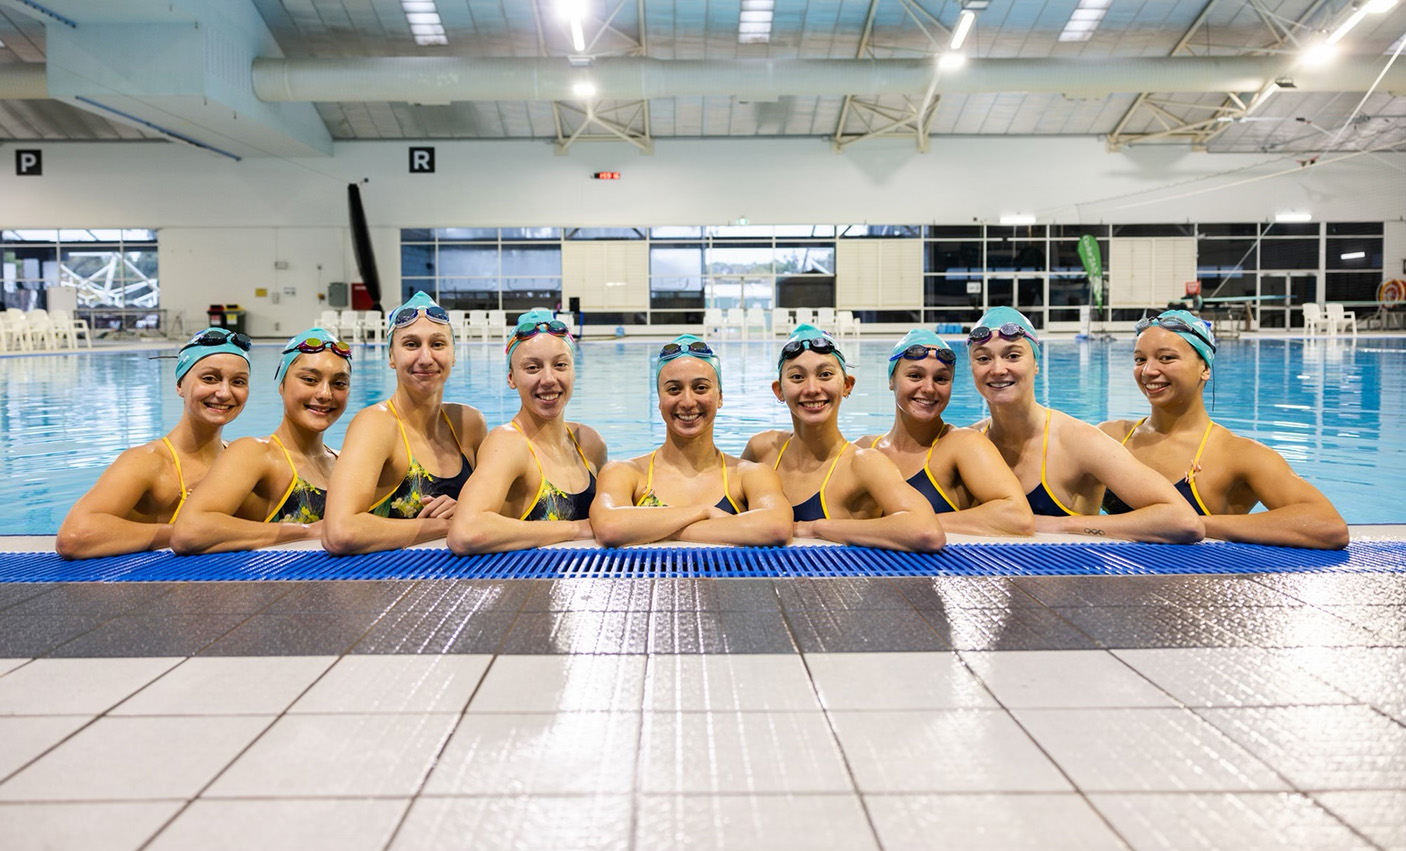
(1093, 266)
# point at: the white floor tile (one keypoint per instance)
(517, 823)
(8, 665)
(896, 681)
(1321, 747)
(1232, 676)
(1243, 821)
(540, 753)
(299, 825)
(743, 822)
(947, 750)
(227, 685)
(722, 752)
(76, 686)
(24, 738)
(1375, 675)
(1042, 822)
(89, 826)
(1379, 815)
(338, 756)
(1153, 750)
(1063, 679)
(562, 683)
(727, 682)
(415, 684)
(136, 758)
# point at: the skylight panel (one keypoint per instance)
(754, 21)
(425, 24)
(1084, 20)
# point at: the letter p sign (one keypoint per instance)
(29, 163)
(422, 160)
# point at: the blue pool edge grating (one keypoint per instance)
(967, 559)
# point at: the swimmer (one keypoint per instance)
(266, 491)
(537, 477)
(405, 460)
(1063, 464)
(957, 470)
(838, 491)
(134, 502)
(1219, 475)
(687, 489)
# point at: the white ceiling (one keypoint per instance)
(1291, 121)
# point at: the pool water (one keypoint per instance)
(1324, 405)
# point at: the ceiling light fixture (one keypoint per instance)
(425, 24)
(950, 61)
(1084, 20)
(584, 89)
(754, 21)
(1017, 219)
(1353, 255)
(575, 11)
(1293, 217)
(1318, 54)
(964, 26)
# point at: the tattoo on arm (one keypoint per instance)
(1091, 531)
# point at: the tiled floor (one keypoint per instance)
(1162, 712)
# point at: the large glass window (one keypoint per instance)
(110, 268)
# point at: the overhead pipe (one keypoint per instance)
(24, 81)
(449, 79)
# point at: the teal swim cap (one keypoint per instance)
(410, 310)
(211, 341)
(999, 317)
(1184, 324)
(687, 346)
(918, 337)
(531, 323)
(810, 337)
(309, 342)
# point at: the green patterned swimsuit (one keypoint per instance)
(553, 503)
(403, 503)
(649, 500)
(303, 502)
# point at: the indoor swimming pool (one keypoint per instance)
(1326, 405)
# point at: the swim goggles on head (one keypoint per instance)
(1008, 331)
(528, 328)
(819, 345)
(918, 351)
(219, 337)
(697, 348)
(410, 313)
(313, 345)
(1175, 324)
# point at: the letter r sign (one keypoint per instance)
(29, 163)
(422, 160)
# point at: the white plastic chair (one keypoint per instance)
(846, 324)
(18, 329)
(755, 318)
(350, 325)
(1314, 321)
(69, 328)
(1339, 318)
(781, 321)
(825, 318)
(804, 316)
(736, 317)
(459, 325)
(41, 329)
(569, 320)
(330, 320)
(712, 321)
(498, 323)
(373, 326)
(478, 323)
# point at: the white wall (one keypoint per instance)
(224, 223)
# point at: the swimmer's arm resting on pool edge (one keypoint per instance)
(101, 521)
(505, 463)
(1297, 514)
(617, 522)
(244, 483)
(1000, 507)
(368, 451)
(908, 522)
(767, 522)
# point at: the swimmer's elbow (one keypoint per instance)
(930, 539)
(1187, 529)
(184, 542)
(609, 534)
(1333, 535)
(1016, 518)
(466, 539)
(339, 539)
(70, 543)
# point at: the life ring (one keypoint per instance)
(1391, 293)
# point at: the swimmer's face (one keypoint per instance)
(422, 354)
(315, 389)
(922, 388)
(1166, 368)
(689, 396)
(215, 389)
(543, 372)
(1003, 370)
(812, 386)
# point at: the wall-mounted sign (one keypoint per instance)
(29, 163)
(606, 175)
(422, 160)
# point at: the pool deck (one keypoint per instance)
(1208, 711)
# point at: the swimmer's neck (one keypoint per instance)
(303, 441)
(910, 434)
(697, 453)
(196, 438)
(552, 430)
(421, 412)
(1191, 416)
(819, 440)
(1017, 420)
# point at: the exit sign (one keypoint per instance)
(606, 175)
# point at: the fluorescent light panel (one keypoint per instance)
(1293, 217)
(754, 21)
(948, 61)
(964, 26)
(425, 24)
(1353, 255)
(1017, 219)
(1084, 20)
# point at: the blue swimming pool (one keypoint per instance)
(1326, 405)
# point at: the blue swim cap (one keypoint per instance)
(310, 341)
(809, 337)
(998, 316)
(418, 303)
(529, 325)
(1185, 325)
(687, 346)
(211, 341)
(916, 337)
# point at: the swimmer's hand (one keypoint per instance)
(804, 529)
(437, 506)
(583, 530)
(715, 513)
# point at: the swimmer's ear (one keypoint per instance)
(849, 384)
(776, 388)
